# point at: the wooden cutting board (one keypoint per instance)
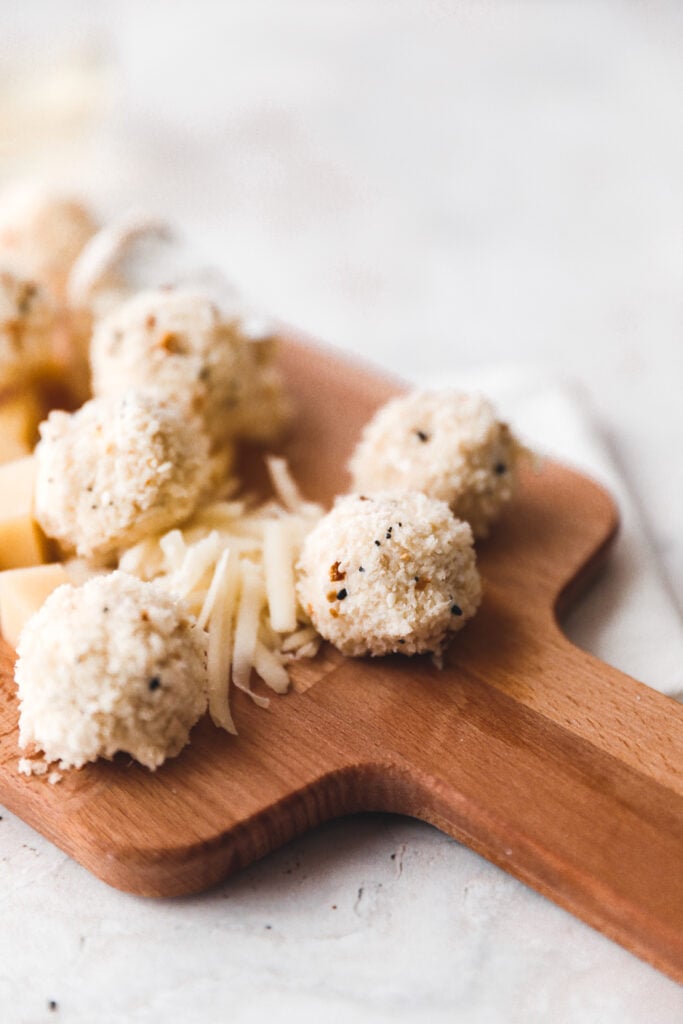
(554, 766)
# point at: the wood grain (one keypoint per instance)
(561, 770)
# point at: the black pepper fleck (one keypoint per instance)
(401, 641)
(421, 434)
(341, 594)
(377, 544)
(389, 533)
(361, 569)
(52, 1005)
(154, 683)
(500, 468)
(456, 609)
(105, 609)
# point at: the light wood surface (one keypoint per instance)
(561, 770)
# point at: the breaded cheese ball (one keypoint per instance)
(42, 234)
(389, 573)
(116, 470)
(448, 444)
(179, 344)
(114, 665)
(27, 327)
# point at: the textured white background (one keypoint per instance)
(436, 186)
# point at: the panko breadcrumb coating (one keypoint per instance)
(42, 234)
(448, 444)
(389, 573)
(114, 665)
(116, 470)
(179, 344)
(27, 326)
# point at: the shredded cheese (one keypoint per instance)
(296, 641)
(286, 489)
(279, 567)
(225, 590)
(233, 564)
(246, 631)
(172, 545)
(270, 668)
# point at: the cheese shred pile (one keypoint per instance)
(233, 564)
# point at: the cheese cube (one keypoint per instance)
(22, 542)
(22, 593)
(19, 418)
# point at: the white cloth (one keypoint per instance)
(368, 920)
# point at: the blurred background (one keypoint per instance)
(432, 184)
(439, 186)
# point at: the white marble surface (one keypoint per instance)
(436, 186)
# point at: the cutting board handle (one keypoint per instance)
(551, 773)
